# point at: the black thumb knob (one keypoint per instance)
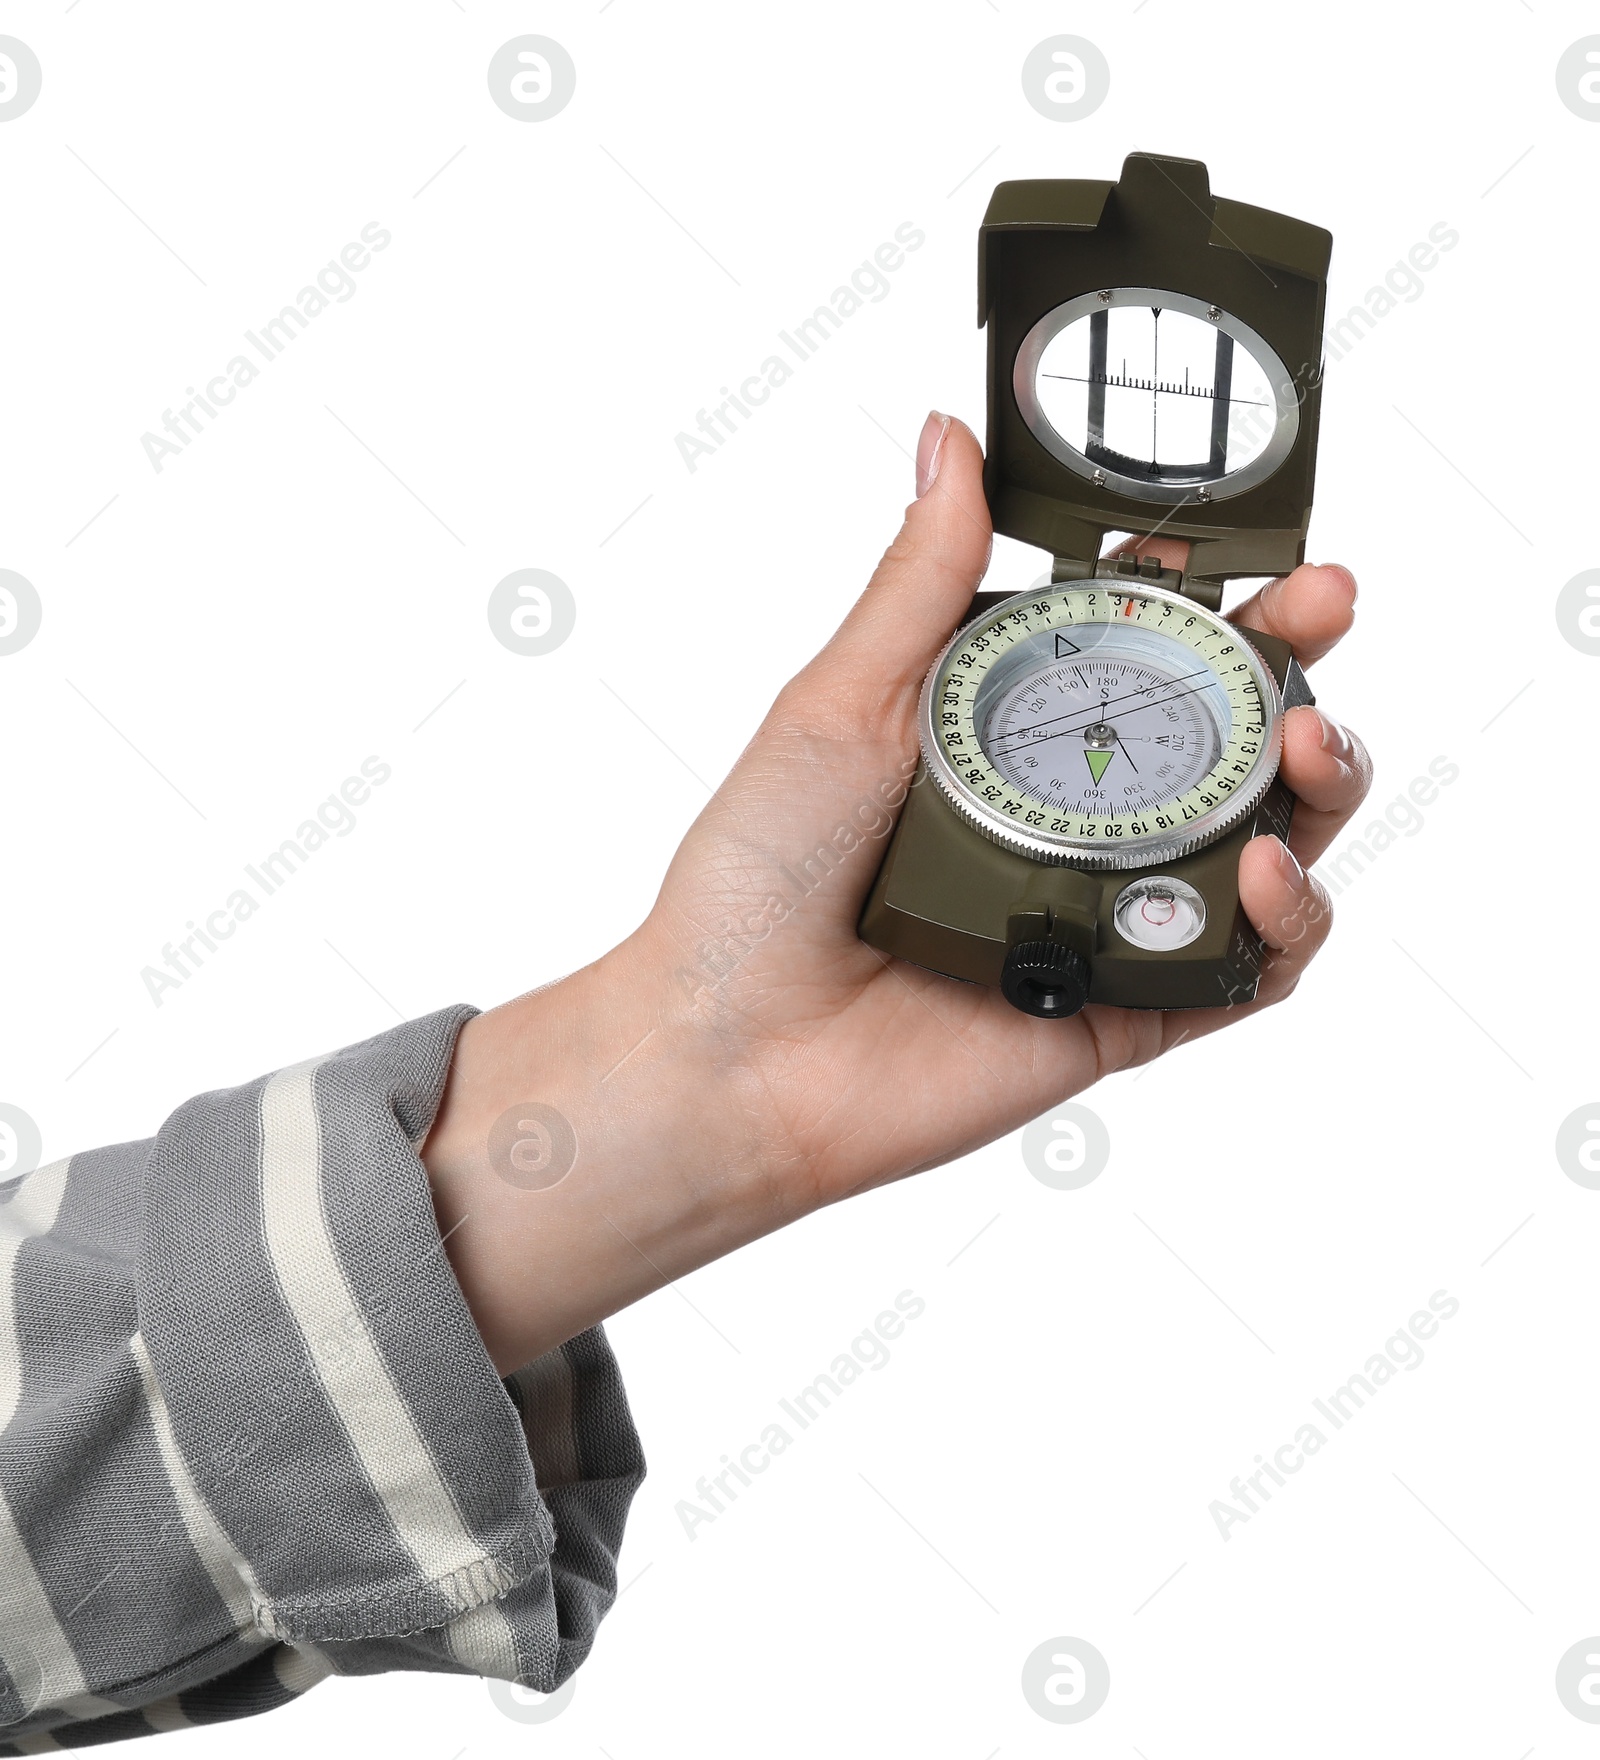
(1046, 979)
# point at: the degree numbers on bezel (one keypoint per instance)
(1013, 815)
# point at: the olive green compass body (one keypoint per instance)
(1097, 750)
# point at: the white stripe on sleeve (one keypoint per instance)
(37, 1653)
(228, 1571)
(338, 1342)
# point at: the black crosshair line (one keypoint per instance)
(1121, 382)
(1106, 702)
(1159, 703)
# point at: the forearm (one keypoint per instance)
(663, 1171)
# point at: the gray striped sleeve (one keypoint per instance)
(249, 1435)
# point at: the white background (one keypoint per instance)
(556, 305)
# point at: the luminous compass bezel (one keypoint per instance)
(1006, 814)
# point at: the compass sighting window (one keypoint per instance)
(1156, 395)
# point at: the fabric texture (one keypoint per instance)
(250, 1436)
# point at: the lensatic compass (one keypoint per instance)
(1097, 751)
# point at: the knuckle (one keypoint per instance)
(794, 705)
(902, 549)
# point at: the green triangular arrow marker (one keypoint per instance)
(1098, 761)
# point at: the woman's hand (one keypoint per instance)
(744, 1057)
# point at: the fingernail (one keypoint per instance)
(1335, 741)
(1288, 866)
(929, 448)
(1339, 568)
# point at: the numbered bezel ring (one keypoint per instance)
(1133, 852)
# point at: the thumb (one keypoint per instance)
(876, 661)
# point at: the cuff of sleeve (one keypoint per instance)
(368, 1473)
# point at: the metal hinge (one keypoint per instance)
(1135, 569)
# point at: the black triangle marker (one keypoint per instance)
(1064, 647)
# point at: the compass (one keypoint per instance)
(1097, 750)
(1108, 729)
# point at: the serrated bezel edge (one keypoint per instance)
(1144, 855)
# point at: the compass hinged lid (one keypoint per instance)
(1154, 365)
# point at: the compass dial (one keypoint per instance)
(1100, 726)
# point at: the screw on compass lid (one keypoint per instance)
(1044, 978)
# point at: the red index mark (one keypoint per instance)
(1127, 610)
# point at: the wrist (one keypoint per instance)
(593, 1143)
